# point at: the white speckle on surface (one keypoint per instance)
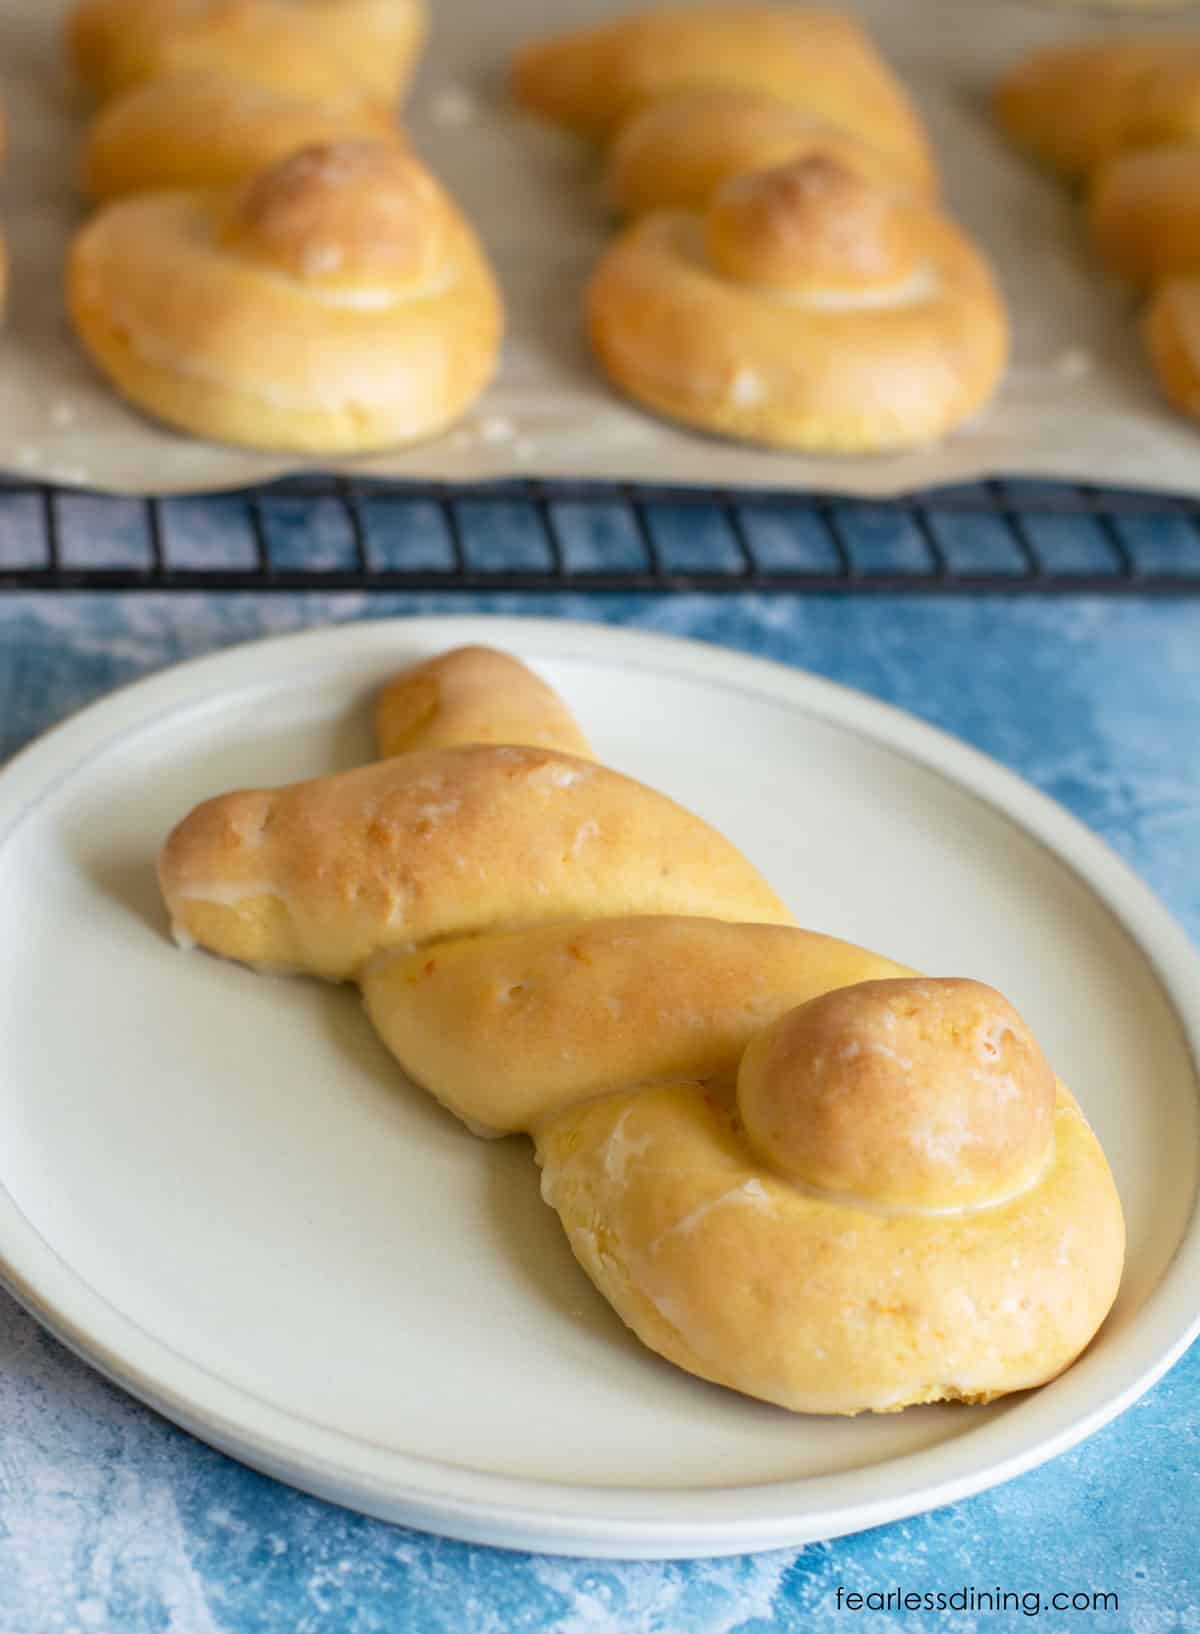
(586, 831)
(748, 388)
(62, 412)
(1074, 364)
(321, 259)
(431, 815)
(889, 1054)
(27, 455)
(453, 105)
(620, 1148)
(557, 775)
(751, 1193)
(497, 429)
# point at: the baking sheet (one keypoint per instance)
(1078, 402)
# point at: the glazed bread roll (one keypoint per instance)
(208, 130)
(1074, 106)
(676, 153)
(820, 62)
(506, 1029)
(437, 843)
(902, 1207)
(473, 695)
(308, 48)
(1143, 213)
(807, 308)
(793, 1168)
(336, 302)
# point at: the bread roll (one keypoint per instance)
(336, 302)
(806, 309)
(208, 130)
(676, 153)
(749, 1267)
(794, 1168)
(308, 48)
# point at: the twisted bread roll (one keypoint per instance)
(897, 1203)
(305, 47)
(207, 129)
(820, 62)
(807, 309)
(336, 302)
(1074, 106)
(676, 153)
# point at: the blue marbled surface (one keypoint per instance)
(112, 1520)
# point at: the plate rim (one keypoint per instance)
(523, 1512)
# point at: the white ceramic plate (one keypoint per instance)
(218, 1189)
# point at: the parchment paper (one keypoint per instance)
(1079, 401)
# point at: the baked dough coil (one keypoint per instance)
(305, 48)
(1077, 105)
(336, 302)
(792, 1167)
(207, 129)
(807, 308)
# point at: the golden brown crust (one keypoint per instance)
(910, 1093)
(739, 1276)
(317, 48)
(810, 224)
(473, 695)
(322, 875)
(338, 303)
(508, 1029)
(819, 61)
(208, 130)
(677, 152)
(545, 944)
(1171, 329)
(1074, 106)
(1143, 213)
(830, 370)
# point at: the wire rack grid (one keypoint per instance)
(322, 532)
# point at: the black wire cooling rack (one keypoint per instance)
(332, 533)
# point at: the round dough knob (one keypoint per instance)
(909, 1094)
(811, 223)
(341, 214)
